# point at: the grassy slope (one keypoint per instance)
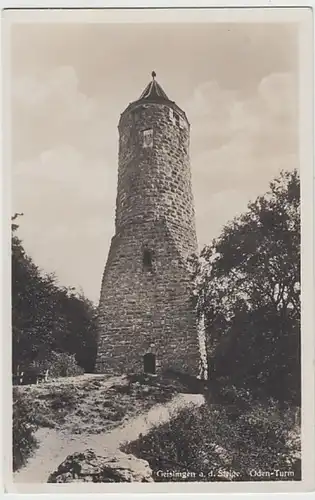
(92, 404)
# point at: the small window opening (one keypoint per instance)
(147, 259)
(147, 138)
(182, 123)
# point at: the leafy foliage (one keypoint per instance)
(212, 443)
(248, 289)
(24, 427)
(47, 317)
(62, 364)
(59, 364)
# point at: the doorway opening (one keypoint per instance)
(149, 363)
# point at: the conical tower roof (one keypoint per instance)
(153, 91)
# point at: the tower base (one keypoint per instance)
(146, 307)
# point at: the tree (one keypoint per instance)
(47, 317)
(248, 289)
(29, 296)
(76, 326)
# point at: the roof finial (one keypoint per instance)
(154, 91)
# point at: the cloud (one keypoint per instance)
(69, 203)
(278, 92)
(237, 152)
(64, 175)
(223, 112)
(49, 109)
(65, 162)
(54, 91)
(68, 169)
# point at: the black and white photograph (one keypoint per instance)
(159, 186)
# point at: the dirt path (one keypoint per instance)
(55, 445)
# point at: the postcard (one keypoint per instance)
(159, 197)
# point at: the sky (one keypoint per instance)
(237, 83)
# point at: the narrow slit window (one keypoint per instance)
(147, 259)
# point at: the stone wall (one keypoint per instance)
(155, 182)
(145, 306)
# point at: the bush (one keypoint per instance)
(213, 441)
(24, 427)
(62, 364)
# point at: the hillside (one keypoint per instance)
(92, 403)
(96, 411)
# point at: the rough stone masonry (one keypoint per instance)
(145, 303)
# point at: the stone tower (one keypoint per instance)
(145, 304)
